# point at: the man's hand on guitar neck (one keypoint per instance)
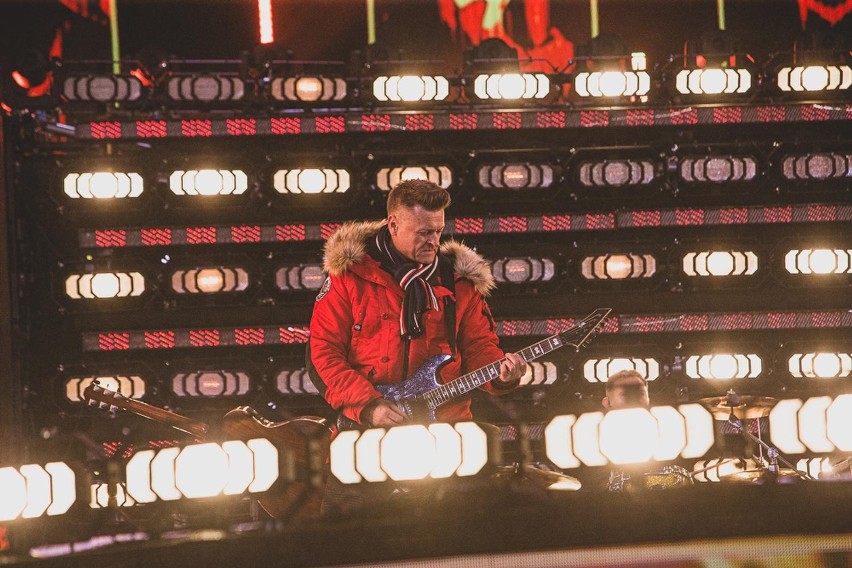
(512, 368)
(380, 413)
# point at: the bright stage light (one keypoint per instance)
(208, 182)
(103, 185)
(202, 470)
(818, 261)
(521, 270)
(295, 381)
(386, 178)
(820, 424)
(815, 467)
(599, 370)
(410, 88)
(211, 384)
(724, 366)
(814, 78)
(308, 89)
(511, 86)
(540, 373)
(131, 386)
(820, 365)
(629, 436)
(612, 83)
(713, 81)
(311, 180)
(720, 263)
(33, 490)
(104, 285)
(618, 266)
(210, 280)
(409, 452)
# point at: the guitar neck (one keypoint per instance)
(164, 416)
(483, 375)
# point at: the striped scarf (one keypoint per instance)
(414, 278)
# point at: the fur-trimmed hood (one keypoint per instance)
(346, 246)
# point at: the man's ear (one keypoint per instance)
(605, 402)
(393, 224)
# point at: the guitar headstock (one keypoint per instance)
(100, 396)
(583, 331)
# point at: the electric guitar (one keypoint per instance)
(422, 393)
(306, 438)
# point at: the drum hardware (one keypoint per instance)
(760, 406)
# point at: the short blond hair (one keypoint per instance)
(614, 379)
(410, 193)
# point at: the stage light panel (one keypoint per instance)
(519, 270)
(819, 261)
(819, 166)
(618, 266)
(820, 365)
(599, 370)
(130, 386)
(713, 81)
(718, 469)
(718, 169)
(629, 436)
(101, 88)
(410, 88)
(819, 424)
(409, 452)
(210, 280)
(205, 87)
(211, 384)
(99, 496)
(516, 175)
(208, 182)
(386, 178)
(202, 470)
(511, 86)
(295, 381)
(720, 263)
(814, 78)
(308, 89)
(104, 285)
(724, 366)
(312, 180)
(612, 83)
(540, 373)
(33, 490)
(301, 277)
(815, 467)
(616, 173)
(103, 185)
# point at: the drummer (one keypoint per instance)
(629, 389)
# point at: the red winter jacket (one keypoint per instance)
(355, 341)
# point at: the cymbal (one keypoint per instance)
(540, 477)
(749, 406)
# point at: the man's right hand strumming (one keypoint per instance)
(381, 413)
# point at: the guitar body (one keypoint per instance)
(307, 439)
(408, 395)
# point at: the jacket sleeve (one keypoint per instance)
(477, 339)
(331, 334)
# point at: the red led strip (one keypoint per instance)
(295, 335)
(693, 217)
(487, 120)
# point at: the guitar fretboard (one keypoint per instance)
(479, 377)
